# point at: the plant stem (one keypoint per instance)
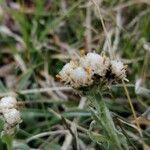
(9, 146)
(132, 108)
(7, 139)
(103, 117)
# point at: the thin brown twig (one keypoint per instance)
(131, 106)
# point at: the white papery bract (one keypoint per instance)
(118, 69)
(7, 103)
(12, 116)
(80, 77)
(96, 63)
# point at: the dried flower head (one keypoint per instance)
(8, 102)
(12, 116)
(118, 69)
(66, 71)
(91, 68)
(80, 77)
(96, 63)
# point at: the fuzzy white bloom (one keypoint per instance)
(7, 103)
(96, 63)
(66, 71)
(80, 77)
(12, 116)
(118, 69)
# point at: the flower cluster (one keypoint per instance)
(10, 114)
(82, 72)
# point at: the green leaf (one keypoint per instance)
(24, 80)
(1, 124)
(77, 113)
(2, 87)
(52, 146)
(104, 119)
(99, 138)
(7, 138)
(20, 146)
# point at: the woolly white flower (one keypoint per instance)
(80, 77)
(118, 69)
(66, 71)
(81, 73)
(7, 102)
(96, 63)
(12, 116)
